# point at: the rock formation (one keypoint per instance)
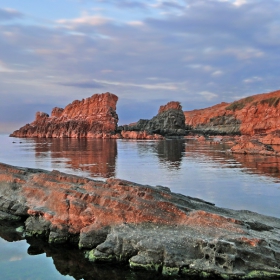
(94, 117)
(170, 121)
(253, 115)
(147, 227)
(253, 146)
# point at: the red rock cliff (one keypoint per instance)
(253, 115)
(91, 117)
(170, 105)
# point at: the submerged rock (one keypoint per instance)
(148, 227)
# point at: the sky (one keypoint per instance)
(197, 52)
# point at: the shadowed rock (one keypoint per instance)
(147, 227)
(170, 121)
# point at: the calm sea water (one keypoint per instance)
(196, 169)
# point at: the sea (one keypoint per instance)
(199, 169)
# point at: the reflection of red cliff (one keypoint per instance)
(95, 156)
(254, 115)
(94, 117)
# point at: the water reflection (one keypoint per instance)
(254, 164)
(67, 259)
(265, 165)
(169, 152)
(95, 156)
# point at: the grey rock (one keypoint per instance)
(167, 123)
(221, 125)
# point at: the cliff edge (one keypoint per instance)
(253, 115)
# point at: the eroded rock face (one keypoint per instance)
(94, 117)
(149, 227)
(170, 120)
(254, 115)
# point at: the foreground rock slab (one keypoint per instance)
(148, 227)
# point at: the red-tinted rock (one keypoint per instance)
(146, 226)
(253, 115)
(94, 117)
(57, 112)
(253, 147)
(170, 105)
(140, 135)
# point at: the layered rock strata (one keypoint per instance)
(253, 115)
(93, 117)
(147, 227)
(170, 121)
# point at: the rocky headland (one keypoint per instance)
(148, 227)
(255, 118)
(253, 115)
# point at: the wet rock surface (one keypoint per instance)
(146, 227)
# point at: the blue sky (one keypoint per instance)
(198, 52)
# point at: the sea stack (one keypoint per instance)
(93, 117)
(170, 121)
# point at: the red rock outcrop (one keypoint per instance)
(94, 117)
(175, 105)
(140, 135)
(250, 146)
(254, 115)
(149, 227)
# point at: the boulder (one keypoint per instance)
(148, 227)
